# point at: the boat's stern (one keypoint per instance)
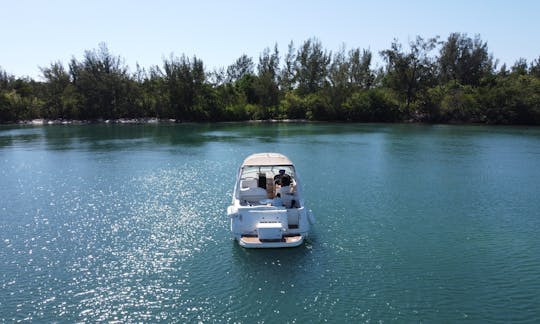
(267, 227)
(284, 241)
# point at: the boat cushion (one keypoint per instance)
(248, 183)
(253, 194)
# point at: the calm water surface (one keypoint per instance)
(128, 223)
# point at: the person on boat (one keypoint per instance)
(282, 179)
(277, 177)
(285, 180)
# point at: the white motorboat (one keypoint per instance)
(267, 209)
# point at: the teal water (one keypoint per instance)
(127, 223)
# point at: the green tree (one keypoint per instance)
(360, 73)
(184, 80)
(154, 99)
(6, 111)
(453, 102)
(241, 67)
(293, 106)
(59, 92)
(6, 80)
(520, 67)
(373, 105)
(464, 59)
(409, 73)
(232, 102)
(287, 78)
(339, 78)
(102, 82)
(319, 107)
(534, 68)
(312, 63)
(19, 99)
(512, 100)
(266, 86)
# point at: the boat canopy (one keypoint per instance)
(266, 159)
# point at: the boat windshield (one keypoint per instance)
(254, 172)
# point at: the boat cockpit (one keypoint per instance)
(268, 185)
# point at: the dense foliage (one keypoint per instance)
(428, 80)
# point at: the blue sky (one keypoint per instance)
(36, 33)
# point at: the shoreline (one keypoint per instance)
(140, 121)
(165, 121)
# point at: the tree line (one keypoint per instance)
(455, 80)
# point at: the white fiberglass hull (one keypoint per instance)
(268, 227)
(256, 243)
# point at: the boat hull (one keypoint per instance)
(252, 242)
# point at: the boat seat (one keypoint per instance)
(253, 195)
(286, 195)
(248, 183)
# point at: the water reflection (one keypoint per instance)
(105, 137)
(19, 136)
(111, 137)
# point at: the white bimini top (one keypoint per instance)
(266, 159)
